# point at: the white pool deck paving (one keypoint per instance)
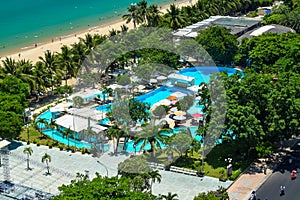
(64, 166)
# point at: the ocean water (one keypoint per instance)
(26, 22)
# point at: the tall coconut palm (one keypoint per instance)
(153, 16)
(133, 15)
(9, 67)
(38, 122)
(52, 125)
(114, 132)
(169, 196)
(143, 10)
(78, 101)
(46, 158)
(28, 151)
(152, 134)
(50, 63)
(66, 63)
(174, 17)
(124, 28)
(40, 75)
(154, 176)
(67, 133)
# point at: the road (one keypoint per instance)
(282, 176)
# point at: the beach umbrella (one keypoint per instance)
(161, 78)
(141, 87)
(135, 129)
(197, 115)
(173, 102)
(198, 98)
(179, 117)
(178, 94)
(165, 102)
(174, 109)
(152, 80)
(172, 98)
(180, 113)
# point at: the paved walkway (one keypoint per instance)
(64, 166)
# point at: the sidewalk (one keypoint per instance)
(251, 180)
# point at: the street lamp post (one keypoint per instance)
(103, 166)
(27, 128)
(134, 146)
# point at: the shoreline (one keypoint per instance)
(32, 53)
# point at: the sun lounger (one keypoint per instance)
(183, 170)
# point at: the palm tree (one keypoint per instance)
(154, 15)
(52, 125)
(152, 134)
(78, 101)
(66, 63)
(37, 124)
(28, 151)
(174, 17)
(143, 10)
(46, 158)
(133, 15)
(124, 28)
(115, 132)
(169, 196)
(50, 63)
(154, 176)
(112, 32)
(66, 133)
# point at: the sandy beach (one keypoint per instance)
(55, 44)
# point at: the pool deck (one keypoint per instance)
(64, 166)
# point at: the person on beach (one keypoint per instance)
(35, 45)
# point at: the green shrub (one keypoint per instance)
(235, 174)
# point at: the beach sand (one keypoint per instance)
(55, 44)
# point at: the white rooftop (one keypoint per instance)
(77, 124)
(181, 77)
(85, 94)
(261, 30)
(87, 112)
(4, 143)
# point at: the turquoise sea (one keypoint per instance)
(26, 22)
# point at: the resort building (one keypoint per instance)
(237, 25)
(273, 28)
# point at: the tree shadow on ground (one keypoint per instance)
(236, 150)
(14, 145)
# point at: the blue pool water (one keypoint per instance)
(159, 94)
(57, 135)
(201, 74)
(103, 108)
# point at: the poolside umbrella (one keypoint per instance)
(197, 115)
(141, 87)
(174, 109)
(179, 118)
(172, 98)
(173, 102)
(178, 94)
(136, 129)
(152, 80)
(161, 78)
(180, 113)
(198, 98)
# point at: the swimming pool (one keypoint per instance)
(57, 135)
(158, 94)
(202, 74)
